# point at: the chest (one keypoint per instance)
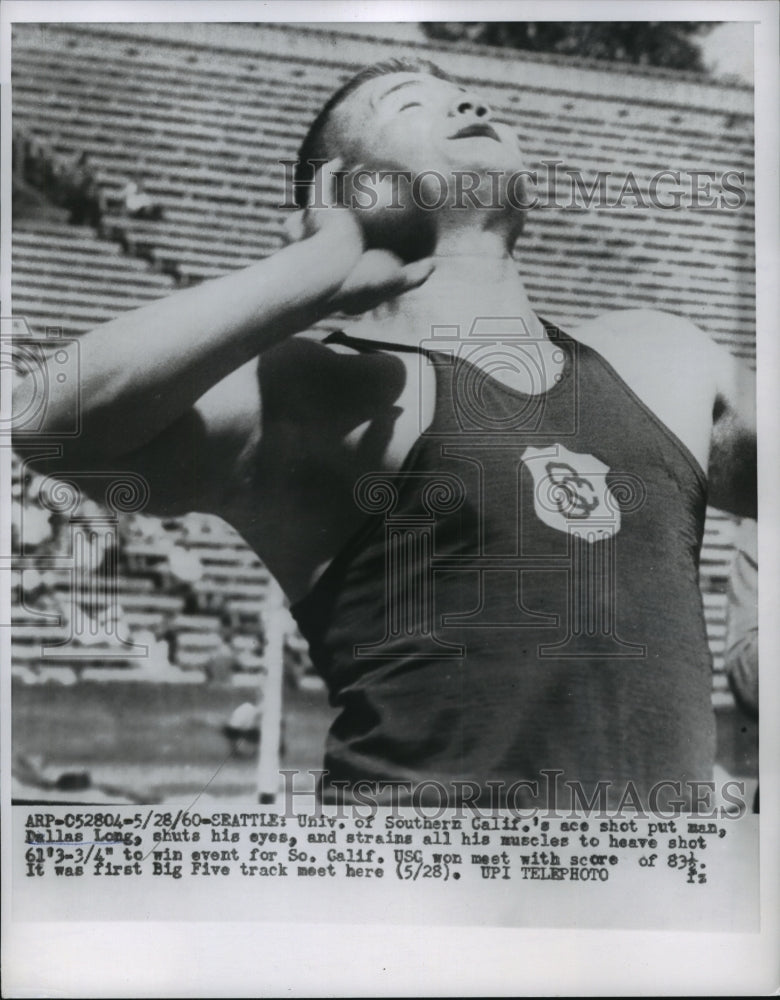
(303, 506)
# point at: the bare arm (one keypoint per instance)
(140, 372)
(741, 657)
(733, 464)
(143, 392)
(704, 395)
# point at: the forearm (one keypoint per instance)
(733, 455)
(143, 370)
(733, 469)
(741, 663)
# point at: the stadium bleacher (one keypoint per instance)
(209, 126)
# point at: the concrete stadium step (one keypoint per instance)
(185, 261)
(129, 295)
(245, 610)
(197, 640)
(189, 79)
(227, 590)
(170, 246)
(99, 310)
(32, 229)
(85, 245)
(71, 289)
(102, 270)
(163, 604)
(224, 230)
(197, 623)
(197, 132)
(238, 578)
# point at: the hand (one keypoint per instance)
(373, 275)
(379, 275)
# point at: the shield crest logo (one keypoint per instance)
(571, 493)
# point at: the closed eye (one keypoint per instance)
(411, 104)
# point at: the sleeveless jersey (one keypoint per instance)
(520, 607)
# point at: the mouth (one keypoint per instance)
(478, 131)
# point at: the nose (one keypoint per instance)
(470, 106)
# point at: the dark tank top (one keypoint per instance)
(520, 608)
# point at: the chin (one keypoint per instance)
(492, 158)
(483, 154)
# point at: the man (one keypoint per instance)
(741, 656)
(488, 529)
(741, 659)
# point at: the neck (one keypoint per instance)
(475, 279)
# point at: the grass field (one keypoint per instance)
(163, 742)
(156, 741)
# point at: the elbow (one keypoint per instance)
(733, 475)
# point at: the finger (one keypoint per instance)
(381, 276)
(383, 271)
(294, 229)
(376, 271)
(417, 274)
(396, 278)
(404, 281)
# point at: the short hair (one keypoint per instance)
(312, 150)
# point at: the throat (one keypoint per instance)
(465, 293)
(474, 307)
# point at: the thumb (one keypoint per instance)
(417, 274)
(294, 228)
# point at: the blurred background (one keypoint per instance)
(147, 158)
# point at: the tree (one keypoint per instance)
(671, 44)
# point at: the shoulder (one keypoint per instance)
(655, 340)
(654, 326)
(667, 361)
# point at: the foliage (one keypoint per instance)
(671, 44)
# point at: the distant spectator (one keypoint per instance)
(58, 540)
(249, 652)
(742, 636)
(136, 527)
(742, 639)
(179, 575)
(184, 566)
(137, 203)
(36, 527)
(168, 633)
(35, 166)
(36, 590)
(37, 593)
(223, 660)
(243, 728)
(16, 525)
(158, 664)
(83, 198)
(33, 521)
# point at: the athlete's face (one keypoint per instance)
(417, 122)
